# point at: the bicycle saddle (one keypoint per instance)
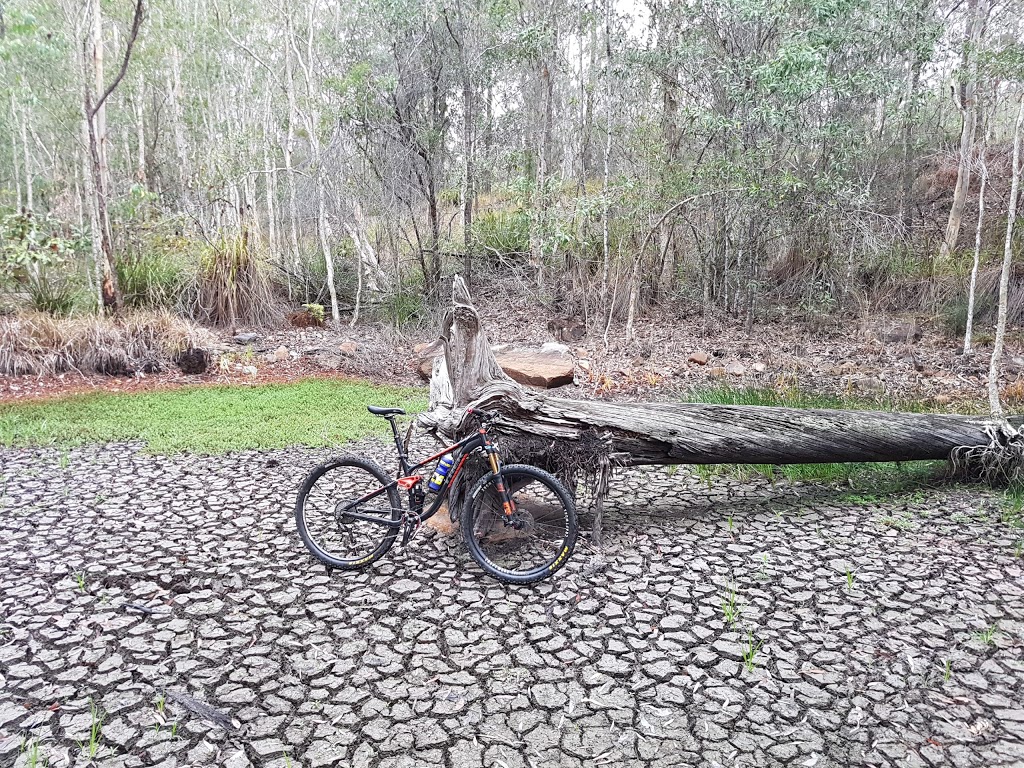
(377, 411)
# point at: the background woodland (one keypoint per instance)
(231, 161)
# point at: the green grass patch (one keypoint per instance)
(791, 397)
(211, 420)
(882, 479)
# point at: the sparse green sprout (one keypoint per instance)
(80, 580)
(91, 748)
(750, 652)
(729, 518)
(1018, 548)
(850, 576)
(988, 635)
(64, 460)
(947, 671)
(32, 757)
(730, 610)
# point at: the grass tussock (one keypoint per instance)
(210, 420)
(232, 287)
(38, 344)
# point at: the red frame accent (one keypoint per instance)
(407, 483)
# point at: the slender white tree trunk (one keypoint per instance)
(970, 121)
(969, 330)
(14, 161)
(29, 204)
(605, 215)
(1004, 278)
(289, 148)
(321, 207)
(178, 119)
(140, 123)
(269, 189)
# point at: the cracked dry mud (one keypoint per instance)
(131, 579)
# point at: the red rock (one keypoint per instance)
(700, 358)
(540, 369)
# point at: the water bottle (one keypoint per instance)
(441, 473)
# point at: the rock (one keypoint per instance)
(193, 361)
(567, 329)
(245, 338)
(584, 365)
(549, 367)
(348, 348)
(897, 332)
(700, 358)
(760, 367)
(281, 354)
(425, 368)
(249, 370)
(735, 368)
(327, 360)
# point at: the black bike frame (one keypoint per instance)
(412, 482)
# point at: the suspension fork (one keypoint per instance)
(507, 504)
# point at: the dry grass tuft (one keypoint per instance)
(39, 344)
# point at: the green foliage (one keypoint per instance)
(152, 280)
(952, 315)
(401, 309)
(51, 293)
(210, 420)
(31, 243)
(316, 311)
(503, 234)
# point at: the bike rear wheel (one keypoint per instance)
(540, 536)
(327, 506)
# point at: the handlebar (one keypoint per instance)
(481, 414)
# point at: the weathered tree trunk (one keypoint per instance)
(574, 437)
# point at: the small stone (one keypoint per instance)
(281, 354)
(348, 348)
(735, 368)
(245, 338)
(700, 358)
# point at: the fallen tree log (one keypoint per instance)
(574, 437)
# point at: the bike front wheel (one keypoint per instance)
(343, 512)
(536, 540)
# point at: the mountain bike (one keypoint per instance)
(518, 521)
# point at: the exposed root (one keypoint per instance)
(999, 464)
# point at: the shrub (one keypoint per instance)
(503, 234)
(55, 296)
(152, 280)
(40, 344)
(400, 309)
